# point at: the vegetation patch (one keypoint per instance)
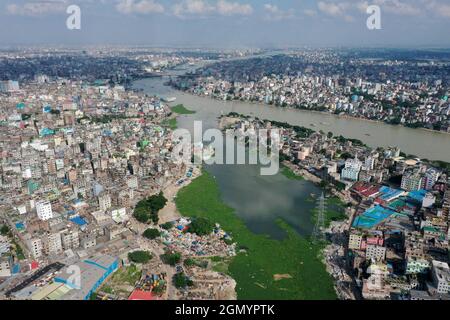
(181, 109)
(151, 233)
(181, 281)
(171, 258)
(147, 210)
(140, 256)
(201, 226)
(291, 175)
(170, 123)
(254, 267)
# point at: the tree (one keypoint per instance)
(148, 209)
(171, 258)
(167, 225)
(180, 280)
(4, 230)
(189, 262)
(157, 202)
(201, 226)
(151, 234)
(140, 256)
(141, 214)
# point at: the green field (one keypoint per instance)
(288, 173)
(264, 268)
(181, 109)
(170, 123)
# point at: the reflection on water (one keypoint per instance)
(260, 200)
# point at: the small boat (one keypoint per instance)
(170, 99)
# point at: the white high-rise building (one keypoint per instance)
(430, 178)
(351, 170)
(44, 210)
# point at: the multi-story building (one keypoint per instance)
(4, 245)
(355, 241)
(89, 241)
(351, 170)
(376, 253)
(5, 266)
(35, 245)
(430, 178)
(44, 210)
(70, 239)
(441, 276)
(53, 244)
(104, 201)
(415, 266)
(412, 180)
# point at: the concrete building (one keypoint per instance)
(412, 180)
(70, 239)
(5, 266)
(104, 201)
(44, 210)
(430, 178)
(415, 266)
(375, 253)
(36, 247)
(441, 276)
(4, 245)
(355, 241)
(89, 241)
(53, 244)
(351, 170)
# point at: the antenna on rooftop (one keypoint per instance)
(318, 233)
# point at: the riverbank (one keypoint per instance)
(422, 143)
(343, 116)
(261, 259)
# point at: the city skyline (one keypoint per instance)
(227, 23)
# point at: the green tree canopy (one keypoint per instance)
(167, 225)
(140, 256)
(147, 210)
(4, 230)
(171, 258)
(201, 226)
(151, 234)
(180, 280)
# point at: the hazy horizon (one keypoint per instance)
(227, 23)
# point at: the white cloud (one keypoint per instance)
(438, 8)
(37, 8)
(335, 9)
(188, 7)
(139, 7)
(310, 13)
(232, 8)
(275, 13)
(398, 7)
(203, 8)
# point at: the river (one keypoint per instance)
(260, 200)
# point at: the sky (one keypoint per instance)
(227, 23)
